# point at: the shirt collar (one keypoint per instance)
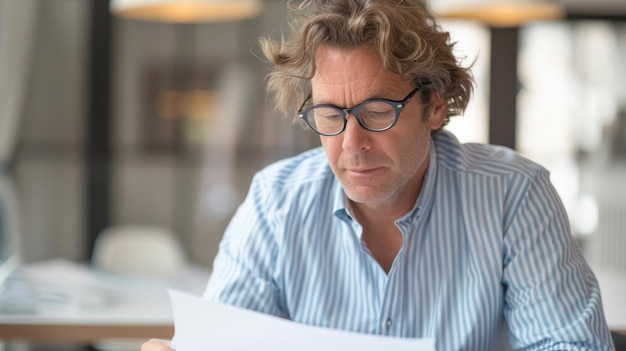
(340, 201)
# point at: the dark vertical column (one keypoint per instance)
(98, 123)
(503, 86)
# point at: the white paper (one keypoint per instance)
(204, 325)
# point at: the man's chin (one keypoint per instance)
(363, 194)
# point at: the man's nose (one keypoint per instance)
(355, 137)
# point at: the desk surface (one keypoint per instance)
(77, 304)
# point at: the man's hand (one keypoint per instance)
(156, 345)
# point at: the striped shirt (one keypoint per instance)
(487, 261)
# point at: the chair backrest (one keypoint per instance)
(138, 250)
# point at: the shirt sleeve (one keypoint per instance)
(552, 298)
(244, 268)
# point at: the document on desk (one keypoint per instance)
(205, 325)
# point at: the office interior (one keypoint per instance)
(146, 123)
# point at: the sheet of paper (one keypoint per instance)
(204, 325)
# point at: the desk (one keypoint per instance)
(77, 304)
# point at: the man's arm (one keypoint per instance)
(552, 297)
(244, 270)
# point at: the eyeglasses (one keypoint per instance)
(375, 115)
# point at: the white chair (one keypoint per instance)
(139, 250)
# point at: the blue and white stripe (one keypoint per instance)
(487, 256)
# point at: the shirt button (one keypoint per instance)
(388, 323)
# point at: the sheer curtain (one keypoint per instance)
(17, 22)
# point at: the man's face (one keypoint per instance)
(378, 170)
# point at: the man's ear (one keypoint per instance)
(438, 112)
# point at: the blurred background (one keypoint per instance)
(111, 117)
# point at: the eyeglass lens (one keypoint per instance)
(374, 115)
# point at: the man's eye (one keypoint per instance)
(327, 114)
(378, 114)
(335, 116)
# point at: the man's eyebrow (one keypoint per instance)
(377, 95)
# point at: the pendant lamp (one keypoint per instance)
(186, 11)
(498, 13)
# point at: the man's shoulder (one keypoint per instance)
(479, 158)
(305, 168)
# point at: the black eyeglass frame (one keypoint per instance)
(398, 106)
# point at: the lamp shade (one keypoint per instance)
(498, 13)
(187, 11)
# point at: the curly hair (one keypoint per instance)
(409, 40)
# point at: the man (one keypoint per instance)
(393, 227)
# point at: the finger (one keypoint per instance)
(156, 345)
